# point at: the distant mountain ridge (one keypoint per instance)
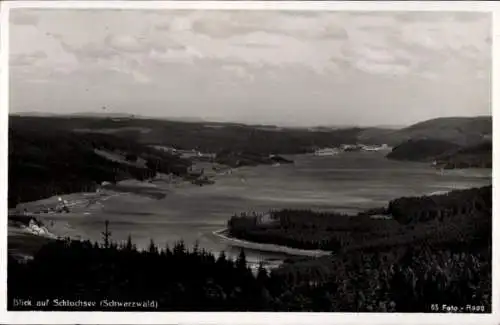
(33, 114)
(107, 115)
(263, 139)
(461, 130)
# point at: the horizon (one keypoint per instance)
(194, 120)
(290, 69)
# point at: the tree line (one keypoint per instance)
(442, 207)
(406, 278)
(176, 277)
(407, 219)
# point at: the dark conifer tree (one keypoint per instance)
(106, 234)
(179, 248)
(262, 276)
(129, 246)
(222, 258)
(196, 247)
(241, 262)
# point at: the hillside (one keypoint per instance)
(459, 130)
(458, 142)
(421, 150)
(445, 154)
(479, 155)
(214, 136)
(206, 137)
(48, 161)
(379, 136)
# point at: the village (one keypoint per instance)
(350, 148)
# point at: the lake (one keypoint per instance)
(348, 182)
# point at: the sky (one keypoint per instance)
(286, 68)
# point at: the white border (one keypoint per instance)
(247, 318)
(4, 110)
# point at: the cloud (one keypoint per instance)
(321, 41)
(220, 29)
(89, 51)
(263, 40)
(112, 47)
(119, 54)
(335, 32)
(350, 38)
(223, 25)
(27, 59)
(130, 44)
(377, 59)
(374, 67)
(438, 16)
(125, 43)
(228, 57)
(239, 72)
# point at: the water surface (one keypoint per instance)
(348, 182)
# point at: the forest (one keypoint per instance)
(442, 207)
(43, 163)
(476, 156)
(206, 137)
(408, 218)
(445, 154)
(421, 149)
(385, 276)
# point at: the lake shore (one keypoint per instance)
(47, 223)
(231, 180)
(26, 237)
(222, 234)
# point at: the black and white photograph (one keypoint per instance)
(236, 160)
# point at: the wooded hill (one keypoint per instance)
(451, 142)
(462, 131)
(215, 137)
(410, 219)
(45, 161)
(445, 154)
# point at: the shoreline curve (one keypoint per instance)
(268, 247)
